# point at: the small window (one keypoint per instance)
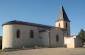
(66, 25)
(18, 34)
(57, 38)
(31, 34)
(59, 24)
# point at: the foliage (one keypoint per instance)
(23, 47)
(13, 48)
(35, 46)
(81, 34)
(1, 50)
(64, 45)
(9, 48)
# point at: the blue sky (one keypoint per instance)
(43, 12)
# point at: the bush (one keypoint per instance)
(64, 45)
(35, 46)
(23, 47)
(1, 50)
(9, 48)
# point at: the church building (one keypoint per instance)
(19, 33)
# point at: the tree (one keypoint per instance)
(81, 34)
(0, 42)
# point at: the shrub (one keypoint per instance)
(9, 48)
(35, 46)
(23, 47)
(1, 50)
(64, 45)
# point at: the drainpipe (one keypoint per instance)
(40, 37)
(41, 40)
(49, 38)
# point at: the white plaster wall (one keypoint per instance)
(10, 39)
(61, 24)
(72, 41)
(44, 38)
(68, 27)
(72, 44)
(53, 33)
(65, 40)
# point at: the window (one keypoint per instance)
(59, 24)
(18, 33)
(31, 34)
(66, 25)
(57, 38)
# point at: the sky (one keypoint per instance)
(43, 12)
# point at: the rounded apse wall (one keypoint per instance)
(7, 41)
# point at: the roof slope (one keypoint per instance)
(53, 28)
(26, 23)
(62, 14)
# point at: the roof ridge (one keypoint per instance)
(26, 23)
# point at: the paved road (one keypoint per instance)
(48, 51)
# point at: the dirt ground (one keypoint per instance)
(48, 51)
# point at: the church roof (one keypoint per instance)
(62, 15)
(52, 28)
(26, 23)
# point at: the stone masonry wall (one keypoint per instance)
(53, 34)
(10, 39)
(44, 38)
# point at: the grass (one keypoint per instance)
(25, 47)
(1, 50)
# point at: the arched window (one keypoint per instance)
(31, 34)
(57, 38)
(59, 24)
(18, 33)
(66, 25)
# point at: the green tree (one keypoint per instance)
(81, 34)
(0, 42)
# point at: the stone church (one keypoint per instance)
(19, 33)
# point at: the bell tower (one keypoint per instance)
(62, 20)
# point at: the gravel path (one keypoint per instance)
(48, 51)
